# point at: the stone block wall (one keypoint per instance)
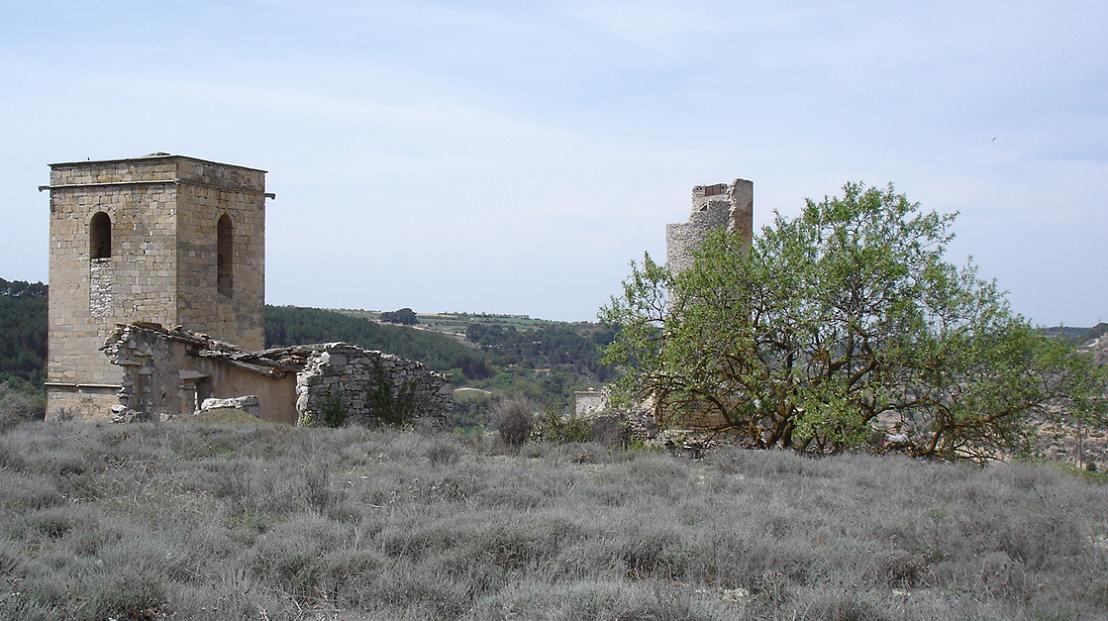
(169, 373)
(587, 403)
(88, 296)
(237, 318)
(354, 377)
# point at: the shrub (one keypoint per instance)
(514, 420)
(389, 408)
(19, 406)
(354, 523)
(555, 428)
(332, 411)
(444, 452)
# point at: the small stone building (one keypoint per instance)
(170, 372)
(588, 403)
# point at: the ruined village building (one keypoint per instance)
(165, 239)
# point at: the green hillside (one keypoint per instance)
(22, 332)
(292, 325)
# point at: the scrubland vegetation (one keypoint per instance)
(180, 521)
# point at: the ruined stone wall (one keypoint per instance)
(167, 374)
(354, 376)
(588, 403)
(714, 207)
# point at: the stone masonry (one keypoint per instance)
(170, 373)
(158, 263)
(373, 387)
(590, 402)
(719, 206)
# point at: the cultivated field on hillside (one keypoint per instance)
(199, 522)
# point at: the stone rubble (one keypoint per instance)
(246, 403)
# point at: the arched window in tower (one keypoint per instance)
(100, 236)
(225, 255)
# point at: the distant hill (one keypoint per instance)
(293, 325)
(1077, 336)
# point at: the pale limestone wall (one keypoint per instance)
(238, 318)
(587, 403)
(84, 403)
(141, 272)
(160, 208)
(277, 396)
(714, 207)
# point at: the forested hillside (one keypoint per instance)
(292, 325)
(546, 347)
(22, 331)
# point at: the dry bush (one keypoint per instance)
(18, 406)
(444, 451)
(514, 419)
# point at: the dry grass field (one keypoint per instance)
(207, 522)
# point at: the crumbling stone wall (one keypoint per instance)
(169, 373)
(719, 206)
(372, 387)
(590, 402)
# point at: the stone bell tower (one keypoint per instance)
(162, 238)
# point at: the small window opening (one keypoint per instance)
(100, 236)
(225, 255)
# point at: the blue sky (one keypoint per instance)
(514, 157)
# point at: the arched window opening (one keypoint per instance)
(100, 236)
(225, 255)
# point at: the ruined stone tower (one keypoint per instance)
(163, 238)
(713, 207)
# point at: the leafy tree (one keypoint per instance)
(845, 327)
(403, 316)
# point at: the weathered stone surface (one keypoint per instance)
(163, 213)
(719, 206)
(174, 372)
(124, 414)
(354, 377)
(589, 403)
(246, 403)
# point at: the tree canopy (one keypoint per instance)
(403, 316)
(846, 327)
